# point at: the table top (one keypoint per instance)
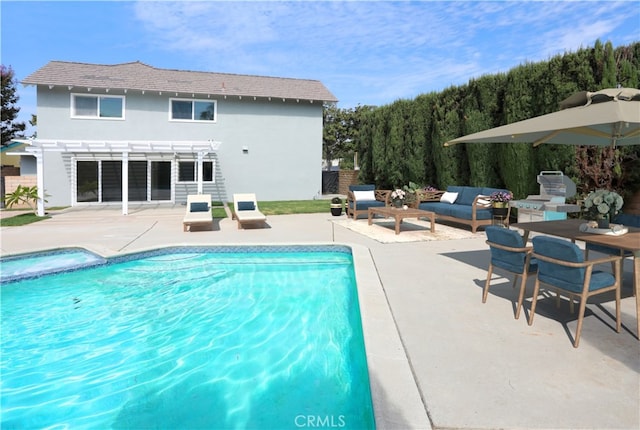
(570, 229)
(392, 211)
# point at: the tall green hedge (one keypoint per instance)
(403, 141)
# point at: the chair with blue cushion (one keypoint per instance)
(509, 253)
(561, 266)
(362, 197)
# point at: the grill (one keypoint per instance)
(550, 204)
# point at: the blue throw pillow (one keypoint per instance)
(246, 206)
(199, 207)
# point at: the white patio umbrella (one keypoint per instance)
(606, 117)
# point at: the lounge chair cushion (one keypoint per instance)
(246, 206)
(199, 207)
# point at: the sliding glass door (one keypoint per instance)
(87, 181)
(111, 181)
(101, 181)
(138, 181)
(160, 180)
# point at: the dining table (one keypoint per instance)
(571, 229)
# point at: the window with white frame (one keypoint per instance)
(93, 106)
(192, 110)
(188, 171)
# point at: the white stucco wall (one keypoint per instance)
(284, 139)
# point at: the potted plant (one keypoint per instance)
(336, 206)
(397, 197)
(602, 206)
(500, 202)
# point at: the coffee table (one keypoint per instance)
(399, 214)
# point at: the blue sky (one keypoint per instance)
(365, 52)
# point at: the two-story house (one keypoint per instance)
(135, 133)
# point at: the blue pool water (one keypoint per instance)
(219, 338)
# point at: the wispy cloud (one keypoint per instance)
(389, 50)
(367, 52)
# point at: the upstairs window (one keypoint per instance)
(88, 106)
(192, 110)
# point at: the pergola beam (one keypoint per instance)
(37, 148)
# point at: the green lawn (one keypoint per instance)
(294, 207)
(268, 208)
(22, 219)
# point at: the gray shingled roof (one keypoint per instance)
(140, 76)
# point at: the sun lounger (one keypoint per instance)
(245, 207)
(198, 212)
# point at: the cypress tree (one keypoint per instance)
(10, 127)
(609, 70)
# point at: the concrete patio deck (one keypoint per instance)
(457, 363)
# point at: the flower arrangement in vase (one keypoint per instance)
(397, 197)
(602, 205)
(500, 199)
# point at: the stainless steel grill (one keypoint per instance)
(550, 204)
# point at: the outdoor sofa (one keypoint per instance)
(460, 204)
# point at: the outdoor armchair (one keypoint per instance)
(561, 266)
(509, 253)
(362, 197)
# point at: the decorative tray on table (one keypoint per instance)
(613, 230)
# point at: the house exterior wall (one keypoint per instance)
(28, 165)
(283, 140)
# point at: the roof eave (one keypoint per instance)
(224, 95)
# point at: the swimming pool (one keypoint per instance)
(224, 337)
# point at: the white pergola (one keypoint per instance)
(37, 148)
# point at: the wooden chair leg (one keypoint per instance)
(485, 291)
(618, 272)
(536, 290)
(583, 306)
(523, 287)
(618, 322)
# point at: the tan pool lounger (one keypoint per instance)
(245, 207)
(198, 211)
